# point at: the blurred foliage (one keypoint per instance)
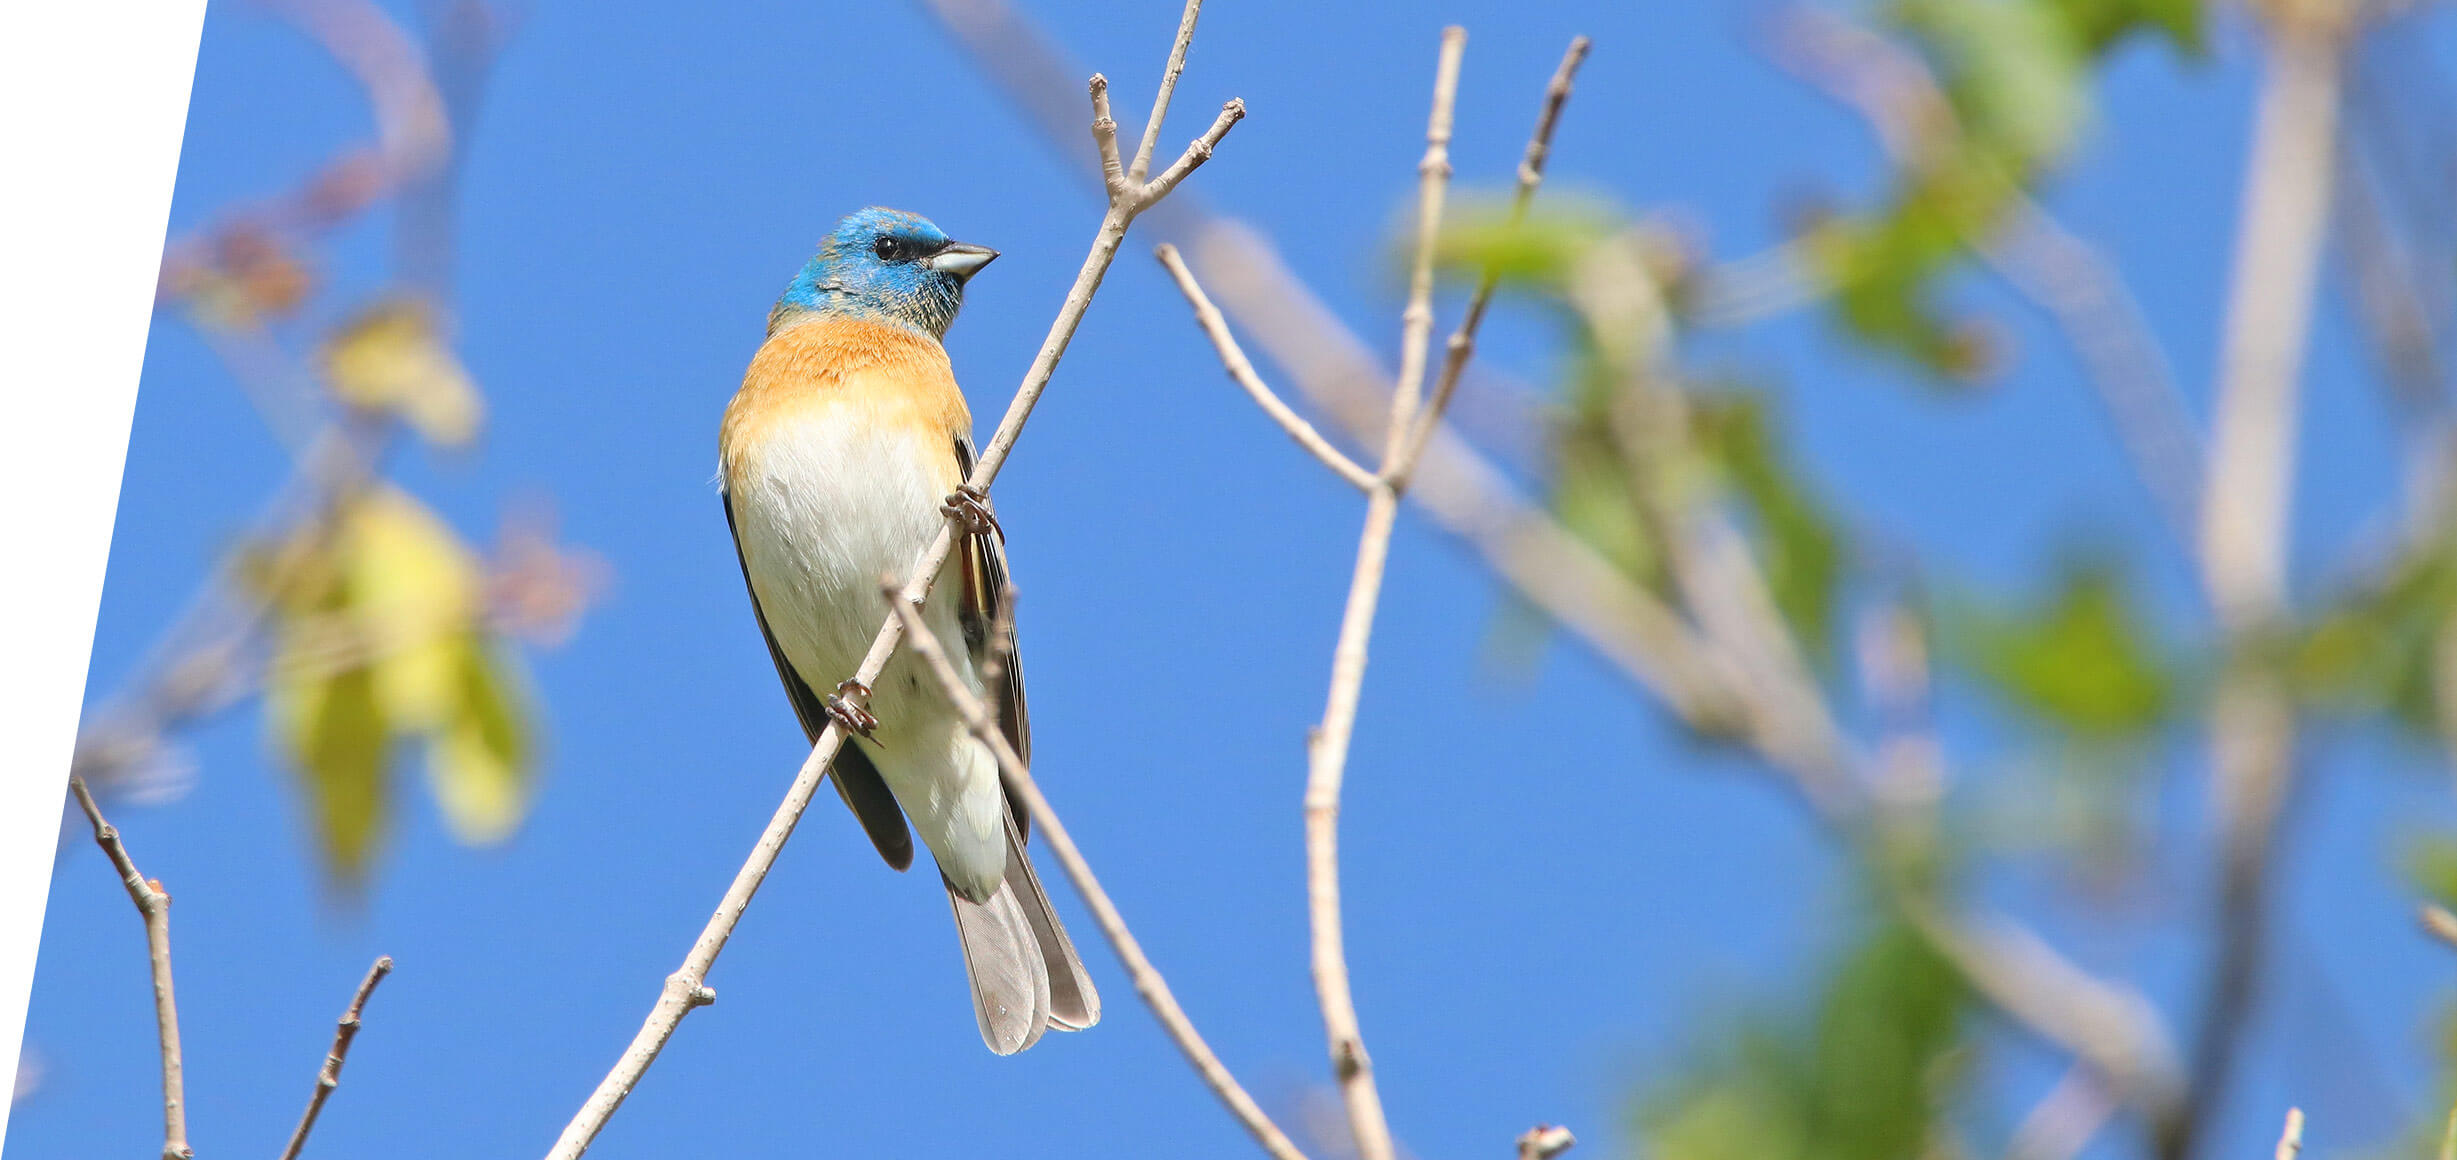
(2383, 644)
(2011, 99)
(384, 632)
(390, 358)
(380, 637)
(1868, 1072)
(2080, 663)
(1616, 475)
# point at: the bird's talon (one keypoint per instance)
(845, 705)
(969, 506)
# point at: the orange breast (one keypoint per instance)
(881, 377)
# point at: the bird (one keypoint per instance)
(845, 451)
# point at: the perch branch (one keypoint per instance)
(1148, 981)
(1465, 493)
(154, 904)
(687, 988)
(328, 1077)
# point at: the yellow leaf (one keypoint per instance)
(331, 727)
(390, 358)
(478, 758)
(414, 590)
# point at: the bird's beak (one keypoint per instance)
(962, 259)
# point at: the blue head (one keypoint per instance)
(884, 265)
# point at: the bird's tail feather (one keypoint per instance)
(1003, 962)
(1073, 1004)
(1025, 975)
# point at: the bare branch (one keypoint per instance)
(1148, 981)
(328, 1077)
(1462, 343)
(687, 988)
(1327, 747)
(2109, 1027)
(1242, 371)
(2062, 1123)
(1168, 88)
(1105, 135)
(154, 905)
(1432, 186)
(2245, 517)
(1472, 498)
(1196, 154)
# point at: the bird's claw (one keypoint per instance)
(970, 506)
(845, 705)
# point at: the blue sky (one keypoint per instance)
(1550, 891)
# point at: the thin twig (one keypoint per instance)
(687, 987)
(1462, 343)
(1473, 499)
(2290, 1138)
(1148, 981)
(1241, 370)
(1327, 748)
(328, 1077)
(1142, 166)
(154, 904)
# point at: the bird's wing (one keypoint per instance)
(978, 609)
(857, 780)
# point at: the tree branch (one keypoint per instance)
(1241, 370)
(2245, 519)
(1148, 981)
(1462, 343)
(1474, 499)
(687, 988)
(328, 1077)
(154, 905)
(1327, 747)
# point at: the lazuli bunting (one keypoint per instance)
(842, 455)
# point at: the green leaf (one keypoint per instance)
(1864, 1075)
(2385, 646)
(1540, 252)
(1884, 268)
(2102, 24)
(2428, 862)
(2082, 662)
(2015, 71)
(1796, 541)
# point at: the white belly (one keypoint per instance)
(823, 516)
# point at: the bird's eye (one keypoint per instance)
(888, 249)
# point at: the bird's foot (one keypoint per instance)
(970, 506)
(845, 705)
